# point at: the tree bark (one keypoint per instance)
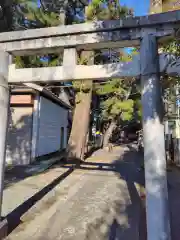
(108, 133)
(81, 118)
(77, 140)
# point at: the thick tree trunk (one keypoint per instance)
(77, 140)
(108, 133)
(81, 119)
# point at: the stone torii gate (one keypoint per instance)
(146, 32)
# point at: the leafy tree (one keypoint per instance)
(116, 100)
(96, 10)
(118, 104)
(19, 11)
(107, 10)
(27, 16)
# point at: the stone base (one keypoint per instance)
(3, 228)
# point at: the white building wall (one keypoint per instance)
(18, 148)
(52, 118)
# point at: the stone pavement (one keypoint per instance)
(97, 200)
(14, 174)
(174, 202)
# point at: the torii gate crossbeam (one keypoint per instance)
(146, 31)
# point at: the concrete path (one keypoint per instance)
(14, 174)
(174, 202)
(98, 200)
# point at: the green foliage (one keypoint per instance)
(106, 10)
(138, 105)
(115, 103)
(38, 18)
(36, 61)
(28, 15)
(114, 94)
(19, 10)
(172, 47)
(111, 88)
(113, 108)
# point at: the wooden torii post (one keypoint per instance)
(146, 31)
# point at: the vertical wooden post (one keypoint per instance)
(158, 226)
(4, 110)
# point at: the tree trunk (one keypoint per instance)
(77, 140)
(108, 133)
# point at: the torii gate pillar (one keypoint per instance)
(4, 110)
(157, 212)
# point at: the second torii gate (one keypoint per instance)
(145, 31)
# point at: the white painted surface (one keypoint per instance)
(18, 150)
(51, 118)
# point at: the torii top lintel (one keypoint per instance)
(93, 35)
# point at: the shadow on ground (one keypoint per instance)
(14, 218)
(15, 174)
(127, 167)
(174, 202)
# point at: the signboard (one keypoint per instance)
(21, 99)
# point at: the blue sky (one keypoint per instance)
(141, 7)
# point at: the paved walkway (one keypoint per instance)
(95, 201)
(174, 202)
(15, 174)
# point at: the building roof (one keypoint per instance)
(32, 88)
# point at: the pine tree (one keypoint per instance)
(115, 104)
(97, 10)
(29, 15)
